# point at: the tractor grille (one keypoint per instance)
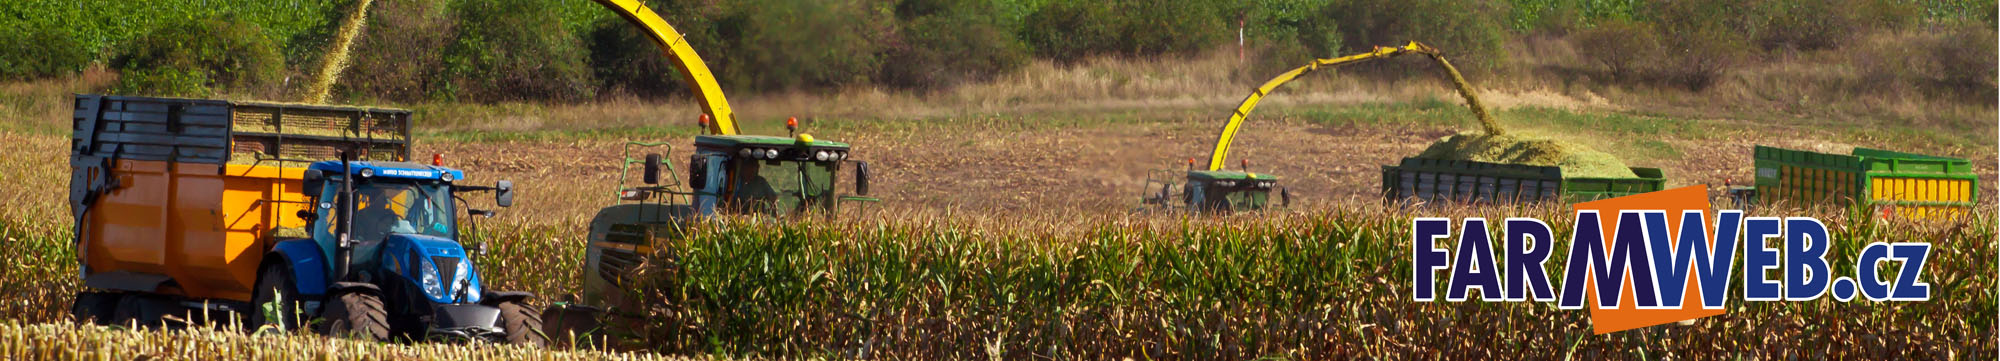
(632, 234)
(613, 264)
(447, 269)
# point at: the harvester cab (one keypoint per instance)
(397, 266)
(752, 174)
(1228, 191)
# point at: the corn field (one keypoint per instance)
(1327, 282)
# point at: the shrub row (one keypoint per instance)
(547, 50)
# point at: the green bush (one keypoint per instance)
(1068, 30)
(513, 50)
(1964, 62)
(940, 43)
(1825, 24)
(802, 44)
(398, 54)
(1625, 48)
(38, 53)
(1471, 32)
(628, 62)
(198, 58)
(1703, 39)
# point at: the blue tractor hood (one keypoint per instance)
(438, 267)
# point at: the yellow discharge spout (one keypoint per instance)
(1221, 153)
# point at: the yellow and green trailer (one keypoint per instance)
(1889, 184)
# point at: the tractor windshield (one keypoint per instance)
(406, 208)
(784, 187)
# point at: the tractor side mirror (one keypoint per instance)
(652, 175)
(308, 215)
(503, 193)
(1285, 197)
(697, 173)
(861, 178)
(314, 179)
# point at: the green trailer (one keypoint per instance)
(1892, 184)
(1439, 180)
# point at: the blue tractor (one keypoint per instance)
(383, 260)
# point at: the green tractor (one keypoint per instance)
(1215, 191)
(729, 173)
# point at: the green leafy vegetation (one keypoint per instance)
(568, 51)
(193, 58)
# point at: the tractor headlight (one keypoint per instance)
(770, 154)
(429, 276)
(464, 277)
(748, 153)
(446, 176)
(367, 172)
(823, 156)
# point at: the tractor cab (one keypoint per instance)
(1216, 191)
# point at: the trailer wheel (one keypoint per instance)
(356, 314)
(275, 297)
(94, 307)
(143, 311)
(522, 324)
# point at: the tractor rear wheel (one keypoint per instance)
(356, 314)
(276, 302)
(523, 325)
(94, 307)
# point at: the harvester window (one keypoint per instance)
(783, 187)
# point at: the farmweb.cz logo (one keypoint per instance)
(1673, 259)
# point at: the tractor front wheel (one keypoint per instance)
(356, 314)
(523, 325)
(276, 302)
